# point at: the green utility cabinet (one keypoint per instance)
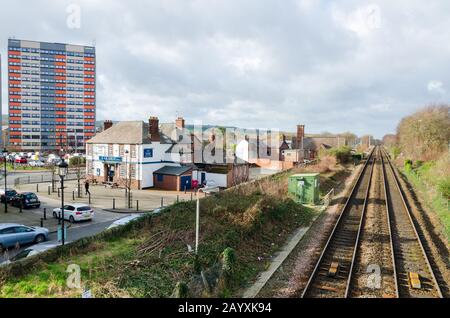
(304, 188)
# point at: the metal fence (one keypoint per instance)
(46, 177)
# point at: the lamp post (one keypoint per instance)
(62, 171)
(5, 153)
(197, 222)
(127, 189)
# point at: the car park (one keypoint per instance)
(10, 193)
(75, 212)
(26, 200)
(12, 235)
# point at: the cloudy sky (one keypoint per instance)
(332, 65)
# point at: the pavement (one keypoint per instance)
(101, 201)
(108, 199)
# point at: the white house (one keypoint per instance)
(130, 151)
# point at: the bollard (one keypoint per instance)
(137, 205)
(45, 213)
(73, 195)
(178, 198)
(114, 203)
(59, 217)
(58, 193)
(89, 198)
(162, 201)
(48, 190)
(42, 222)
(37, 187)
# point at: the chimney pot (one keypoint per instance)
(153, 129)
(300, 135)
(107, 124)
(180, 122)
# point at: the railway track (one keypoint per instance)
(374, 271)
(388, 240)
(332, 273)
(409, 254)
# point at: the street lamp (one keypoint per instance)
(197, 222)
(5, 154)
(63, 168)
(127, 190)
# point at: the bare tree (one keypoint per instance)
(425, 135)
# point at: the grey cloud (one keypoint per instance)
(253, 64)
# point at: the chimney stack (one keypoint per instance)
(179, 123)
(107, 124)
(300, 136)
(153, 129)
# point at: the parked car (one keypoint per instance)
(26, 200)
(210, 187)
(52, 158)
(75, 212)
(30, 251)
(21, 160)
(36, 163)
(16, 234)
(10, 193)
(124, 221)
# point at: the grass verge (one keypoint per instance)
(148, 257)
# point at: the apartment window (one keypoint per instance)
(133, 151)
(110, 150)
(121, 150)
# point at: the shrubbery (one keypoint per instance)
(77, 161)
(342, 154)
(444, 188)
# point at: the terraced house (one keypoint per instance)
(52, 95)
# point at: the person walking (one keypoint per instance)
(86, 187)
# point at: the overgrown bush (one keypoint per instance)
(77, 161)
(326, 164)
(425, 134)
(408, 165)
(444, 188)
(342, 154)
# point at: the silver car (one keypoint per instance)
(30, 251)
(12, 235)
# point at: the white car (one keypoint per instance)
(124, 221)
(36, 163)
(30, 251)
(75, 212)
(210, 187)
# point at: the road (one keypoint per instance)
(102, 219)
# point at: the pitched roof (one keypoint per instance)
(128, 132)
(173, 171)
(124, 132)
